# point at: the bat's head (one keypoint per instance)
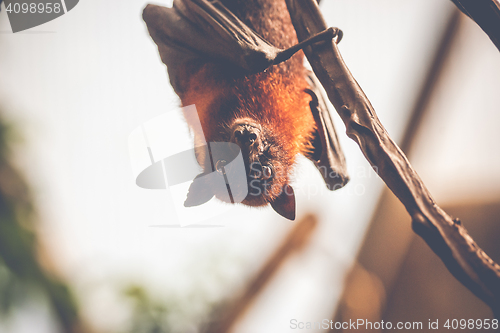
(268, 118)
(267, 165)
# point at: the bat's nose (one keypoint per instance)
(246, 135)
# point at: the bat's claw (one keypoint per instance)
(325, 35)
(338, 34)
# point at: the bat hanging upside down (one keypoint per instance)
(239, 63)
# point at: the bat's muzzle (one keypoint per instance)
(248, 136)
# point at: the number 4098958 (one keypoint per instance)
(33, 8)
(471, 324)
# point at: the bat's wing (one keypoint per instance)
(327, 154)
(194, 29)
(206, 29)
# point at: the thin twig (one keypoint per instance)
(486, 13)
(446, 237)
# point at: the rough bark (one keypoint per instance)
(446, 236)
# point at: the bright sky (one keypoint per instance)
(78, 86)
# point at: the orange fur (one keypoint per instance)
(275, 99)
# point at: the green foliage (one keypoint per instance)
(20, 271)
(149, 316)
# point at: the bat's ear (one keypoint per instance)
(284, 204)
(199, 192)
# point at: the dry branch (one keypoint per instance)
(446, 237)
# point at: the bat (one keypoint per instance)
(240, 63)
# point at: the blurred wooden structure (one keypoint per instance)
(229, 314)
(396, 276)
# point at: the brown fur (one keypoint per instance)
(274, 98)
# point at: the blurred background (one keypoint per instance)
(83, 249)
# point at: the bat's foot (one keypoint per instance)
(325, 35)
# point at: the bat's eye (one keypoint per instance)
(267, 172)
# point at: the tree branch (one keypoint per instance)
(446, 237)
(486, 13)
